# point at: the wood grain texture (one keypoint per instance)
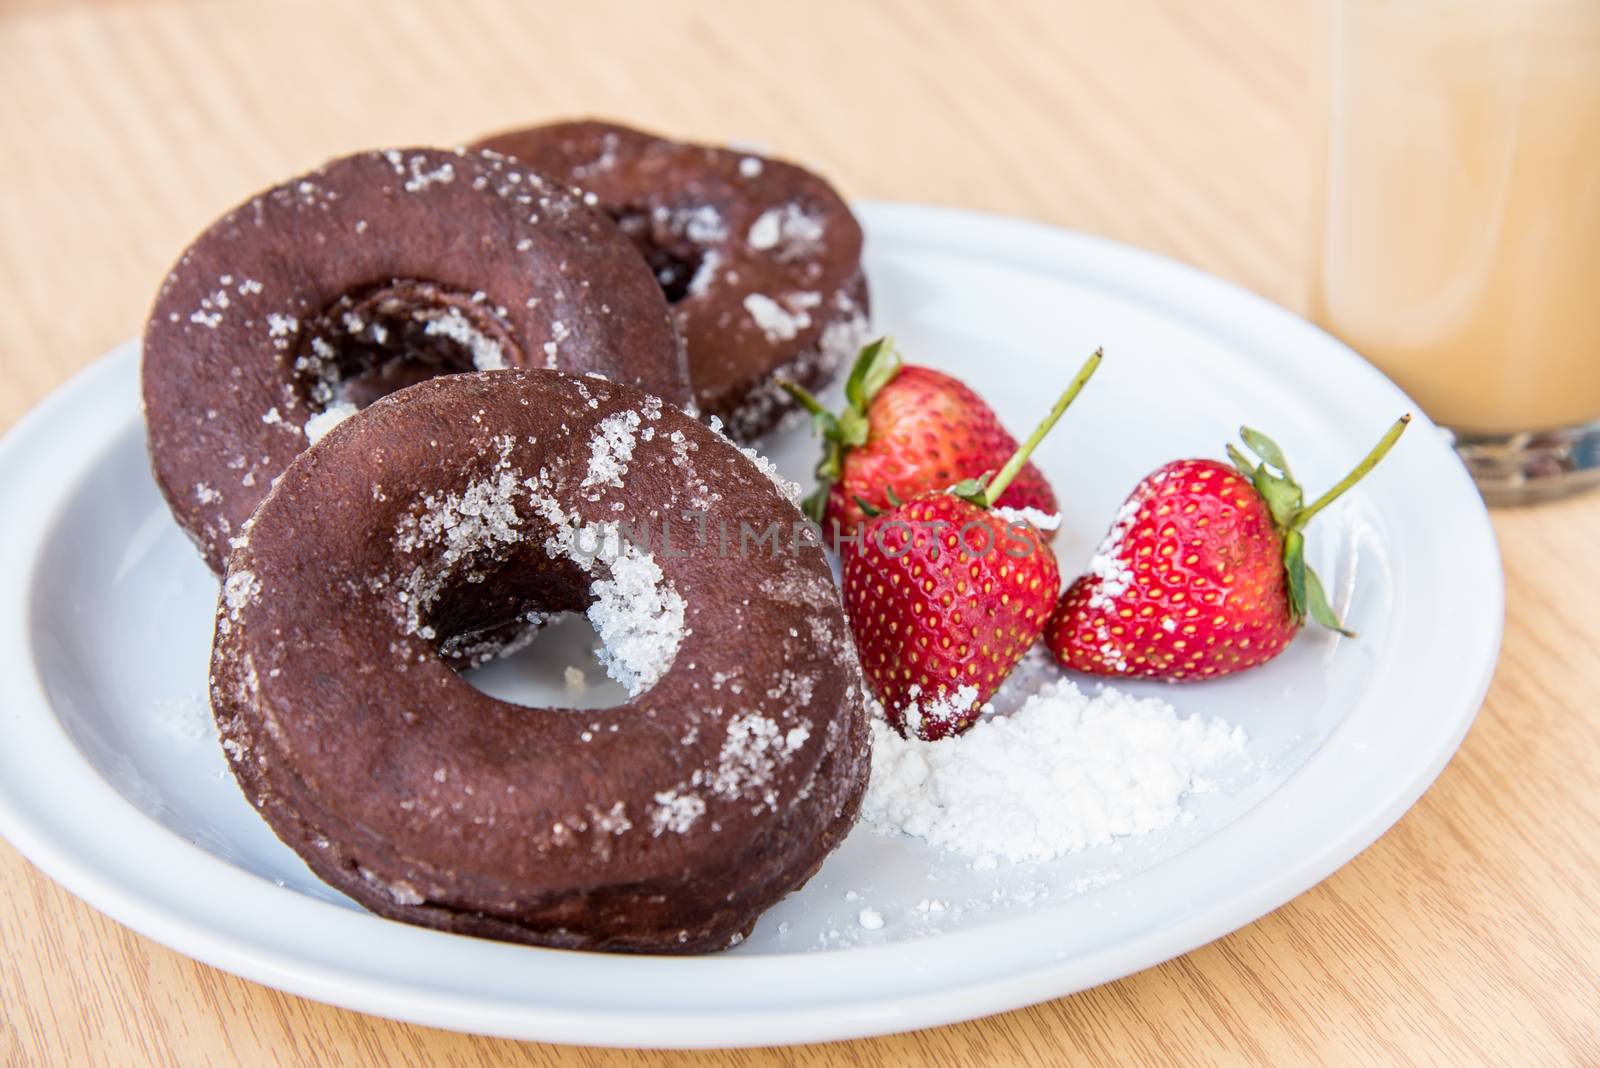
(1466, 935)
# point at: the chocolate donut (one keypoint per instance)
(668, 823)
(372, 272)
(760, 259)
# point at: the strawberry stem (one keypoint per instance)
(875, 367)
(803, 397)
(991, 490)
(1357, 473)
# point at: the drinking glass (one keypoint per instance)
(1458, 246)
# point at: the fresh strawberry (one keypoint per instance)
(906, 430)
(945, 595)
(1203, 572)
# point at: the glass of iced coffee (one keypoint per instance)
(1458, 241)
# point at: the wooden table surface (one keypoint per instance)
(1467, 934)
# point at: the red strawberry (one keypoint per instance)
(1203, 572)
(905, 431)
(944, 596)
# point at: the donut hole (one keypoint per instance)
(665, 242)
(479, 619)
(380, 339)
(559, 666)
(539, 628)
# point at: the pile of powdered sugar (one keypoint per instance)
(1066, 771)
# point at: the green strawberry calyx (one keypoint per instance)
(1285, 499)
(875, 367)
(985, 490)
(872, 511)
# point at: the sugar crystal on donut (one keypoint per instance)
(487, 355)
(636, 613)
(318, 425)
(676, 812)
(781, 321)
(611, 448)
(789, 229)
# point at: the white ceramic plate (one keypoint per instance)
(111, 780)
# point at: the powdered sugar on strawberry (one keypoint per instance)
(1045, 521)
(936, 714)
(1107, 564)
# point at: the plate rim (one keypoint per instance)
(1202, 299)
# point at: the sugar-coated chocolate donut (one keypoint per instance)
(377, 270)
(761, 259)
(668, 823)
